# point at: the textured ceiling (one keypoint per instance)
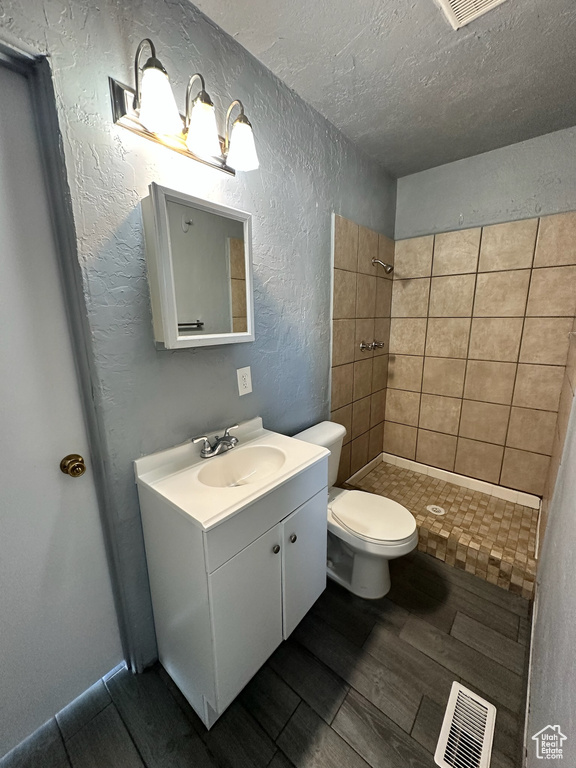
(396, 79)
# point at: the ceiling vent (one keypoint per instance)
(462, 12)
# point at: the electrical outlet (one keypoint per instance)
(244, 380)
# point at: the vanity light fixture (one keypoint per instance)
(239, 146)
(149, 110)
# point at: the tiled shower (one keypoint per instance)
(479, 333)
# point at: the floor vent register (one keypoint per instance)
(467, 731)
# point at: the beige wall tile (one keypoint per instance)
(367, 250)
(342, 385)
(447, 337)
(495, 338)
(481, 460)
(456, 252)
(490, 382)
(343, 334)
(383, 297)
(407, 336)
(532, 430)
(360, 417)
(545, 340)
(382, 335)
(239, 324)
(443, 376)
(410, 297)
(524, 471)
(344, 294)
(362, 379)
(345, 244)
(413, 257)
(365, 333)
(344, 466)
(405, 372)
(436, 450)
(386, 253)
(377, 407)
(237, 259)
(359, 455)
(366, 296)
(508, 246)
(439, 413)
(379, 373)
(402, 406)
(238, 298)
(552, 292)
(344, 416)
(486, 422)
(501, 294)
(538, 386)
(452, 296)
(556, 240)
(400, 440)
(376, 441)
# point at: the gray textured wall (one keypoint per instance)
(150, 400)
(553, 681)
(533, 178)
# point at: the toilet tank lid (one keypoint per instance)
(326, 433)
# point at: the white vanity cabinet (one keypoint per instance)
(226, 594)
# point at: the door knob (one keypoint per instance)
(293, 538)
(276, 548)
(73, 465)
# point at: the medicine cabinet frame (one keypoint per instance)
(160, 267)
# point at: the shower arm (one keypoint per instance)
(387, 267)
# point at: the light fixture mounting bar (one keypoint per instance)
(122, 97)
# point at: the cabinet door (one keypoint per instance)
(304, 559)
(246, 613)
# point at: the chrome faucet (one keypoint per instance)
(221, 444)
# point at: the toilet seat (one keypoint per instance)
(373, 518)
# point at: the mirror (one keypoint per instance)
(199, 262)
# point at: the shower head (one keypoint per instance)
(387, 267)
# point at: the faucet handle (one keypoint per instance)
(200, 438)
(227, 430)
(378, 344)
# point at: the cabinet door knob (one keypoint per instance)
(276, 548)
(293, 538)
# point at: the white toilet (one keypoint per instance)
(365, 531)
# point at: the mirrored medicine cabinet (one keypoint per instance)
(198, 255)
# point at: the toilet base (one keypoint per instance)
(363, 575)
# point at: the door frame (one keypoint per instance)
(36, 69)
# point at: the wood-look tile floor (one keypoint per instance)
(360, 683)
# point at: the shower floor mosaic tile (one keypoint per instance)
(489, 537)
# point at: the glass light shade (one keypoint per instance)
(202, 138)
(158, 110)
(242, 153)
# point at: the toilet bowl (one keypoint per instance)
(365, 531)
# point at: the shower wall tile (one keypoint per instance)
(345, 244)
(490, 382)
(456, 252)
(501, 294)
(413, 257)
(556, 241)
(361, 313)
(508, 246)
(538, 386)
(490, 352)
(552, 292)
(452, 296)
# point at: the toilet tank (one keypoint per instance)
(329, 435)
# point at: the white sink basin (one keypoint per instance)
(210, 490)
(242, 466)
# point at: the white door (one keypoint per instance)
(58, 628)
(245, 595)
(304, 554)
